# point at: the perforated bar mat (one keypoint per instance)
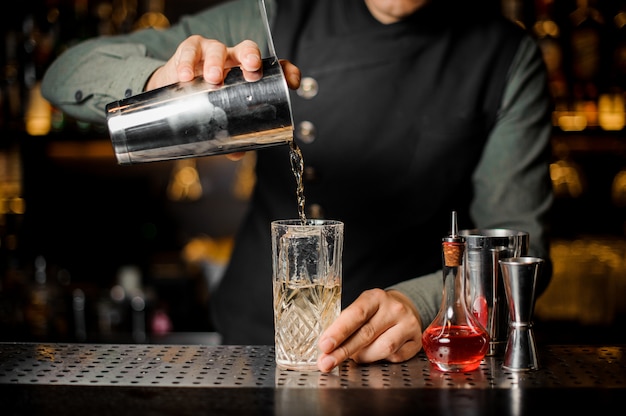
(254, 366)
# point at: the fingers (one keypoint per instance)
(247, 56)
(379, 325)
(392, 345)
(351, 319)
(194, 51)
(292, 74)
(213, 57)
(197, 56)
(350, 331)
(235, 156)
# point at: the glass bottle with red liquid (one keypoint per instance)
(455, 341)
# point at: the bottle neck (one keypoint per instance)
(453, 290)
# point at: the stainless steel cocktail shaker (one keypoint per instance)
(486, 298)
(195, 118)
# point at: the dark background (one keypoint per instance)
(89, 217)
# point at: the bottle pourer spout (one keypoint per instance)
(455, 228)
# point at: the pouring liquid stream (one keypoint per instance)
(297, 167)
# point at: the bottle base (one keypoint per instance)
(296, 366)
(456, 368)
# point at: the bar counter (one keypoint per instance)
(114, 379)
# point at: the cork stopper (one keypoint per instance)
(453, 253)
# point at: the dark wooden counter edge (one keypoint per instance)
(118, 400)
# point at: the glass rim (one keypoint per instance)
(493, 232)
(522, 260)
(293, 222)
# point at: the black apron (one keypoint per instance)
(401, 116)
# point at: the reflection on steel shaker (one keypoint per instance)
(193, 119)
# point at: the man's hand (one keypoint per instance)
(197, 56)
(378, 325)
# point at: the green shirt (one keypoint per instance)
(510, 181)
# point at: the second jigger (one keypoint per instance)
(520, 276)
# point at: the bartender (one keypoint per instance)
(404, 111)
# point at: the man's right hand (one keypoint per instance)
(197, 56)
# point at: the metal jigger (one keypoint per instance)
(520, 279)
